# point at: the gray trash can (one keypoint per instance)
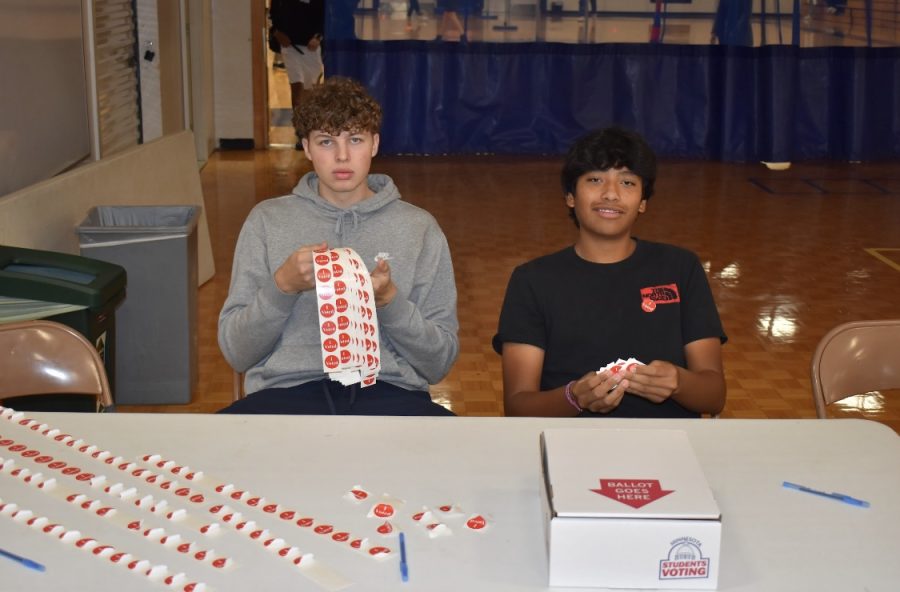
(156, 326)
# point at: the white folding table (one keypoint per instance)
(773, 538)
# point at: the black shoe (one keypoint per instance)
(278, 65)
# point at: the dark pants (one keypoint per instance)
(326, 397)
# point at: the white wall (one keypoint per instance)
(202, 83)
(232, 73)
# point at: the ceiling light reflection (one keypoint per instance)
(777, 323)
(57, 374)
(729, 276)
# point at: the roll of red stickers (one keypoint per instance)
(349, 314)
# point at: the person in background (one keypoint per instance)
(299, 27)
(609, 296)
(732, 23)
(269, 325)
(450, 28)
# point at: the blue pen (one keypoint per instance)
(22, 560)
(404, 568)
(835, 496)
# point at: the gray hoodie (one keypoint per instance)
(274, 337)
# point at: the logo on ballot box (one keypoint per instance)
(636, 493)
(685, 561)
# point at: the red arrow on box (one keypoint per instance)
(632, 492)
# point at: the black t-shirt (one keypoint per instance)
(585, 315)
(298, 19)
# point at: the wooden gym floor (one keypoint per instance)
(789, 255)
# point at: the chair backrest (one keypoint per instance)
(855, 358)
(237, 386)
(49, 358)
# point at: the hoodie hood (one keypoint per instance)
(349, 219)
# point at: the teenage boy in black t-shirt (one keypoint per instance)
(611, 296)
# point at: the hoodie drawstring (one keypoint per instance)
(339, 223)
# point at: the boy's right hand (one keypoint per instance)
(297, 273)
(599, 393)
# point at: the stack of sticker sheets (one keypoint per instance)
(621, 365)
(348, 325)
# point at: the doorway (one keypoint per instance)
(280, 128)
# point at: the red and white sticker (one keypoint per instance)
(357, 494)
(438, 529)
(477, 522)
(448, 510)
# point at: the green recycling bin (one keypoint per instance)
(76, 291)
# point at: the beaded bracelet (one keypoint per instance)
(570, 397)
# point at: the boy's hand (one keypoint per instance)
(297, 273)
(382, 285)
(599, 393)
(656, 382)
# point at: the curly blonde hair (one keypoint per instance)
(338, 105)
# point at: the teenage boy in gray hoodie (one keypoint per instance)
(269, 326)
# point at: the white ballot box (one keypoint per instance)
(628, 509)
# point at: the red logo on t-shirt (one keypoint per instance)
(667, 294)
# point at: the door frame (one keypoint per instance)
(259, 73)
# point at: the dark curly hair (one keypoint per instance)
(609, 148)
(338, 105)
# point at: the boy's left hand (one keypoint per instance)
(656, 382)
(382, 285)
